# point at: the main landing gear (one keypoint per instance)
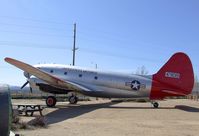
(155, 104)
(73, 99)
(51, 100)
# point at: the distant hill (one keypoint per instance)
(17, 89)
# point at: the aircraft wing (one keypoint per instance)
(48, 78)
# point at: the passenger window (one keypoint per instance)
(80, 75)
(96, 77)
(51, 71)
(65, 73)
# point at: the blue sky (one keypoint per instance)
(118, 35)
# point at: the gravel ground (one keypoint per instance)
(104, 118)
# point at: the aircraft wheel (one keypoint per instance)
(51, 101)
(155, 105)
(73, 99)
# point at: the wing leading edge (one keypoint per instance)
(48, 78)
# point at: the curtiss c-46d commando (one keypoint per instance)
(175, 78)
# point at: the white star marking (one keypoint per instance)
(135, 85)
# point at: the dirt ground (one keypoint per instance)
(105, 118)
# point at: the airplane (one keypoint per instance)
(175, 78)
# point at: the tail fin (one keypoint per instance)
(175, 78)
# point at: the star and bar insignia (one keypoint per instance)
(135, 85)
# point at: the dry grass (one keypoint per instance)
(38, 122)
(18, 124)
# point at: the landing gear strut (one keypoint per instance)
(73, 99)
(51, 101)
(155, 104)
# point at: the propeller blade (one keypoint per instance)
(30, 89)
(24, 84)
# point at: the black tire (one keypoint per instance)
(155, 105)
(73, 99)
(51, 101)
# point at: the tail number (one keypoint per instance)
(172, 75)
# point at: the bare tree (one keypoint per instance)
(142, 71)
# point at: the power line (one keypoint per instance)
(97, 52)
(33, 26)
(88, 50)
(114, 39)
(111, 54)
(32, 45)
(36, 34)
(35, 20)
(105, 53)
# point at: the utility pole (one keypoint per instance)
(74, 42)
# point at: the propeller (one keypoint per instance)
(25, 84)
(27, 75)
(30, 89)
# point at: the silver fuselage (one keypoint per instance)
(100, 84)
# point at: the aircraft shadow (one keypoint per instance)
(72, 111)
(118, 107)
(187, 108)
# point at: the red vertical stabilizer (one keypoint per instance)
(175, 78)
